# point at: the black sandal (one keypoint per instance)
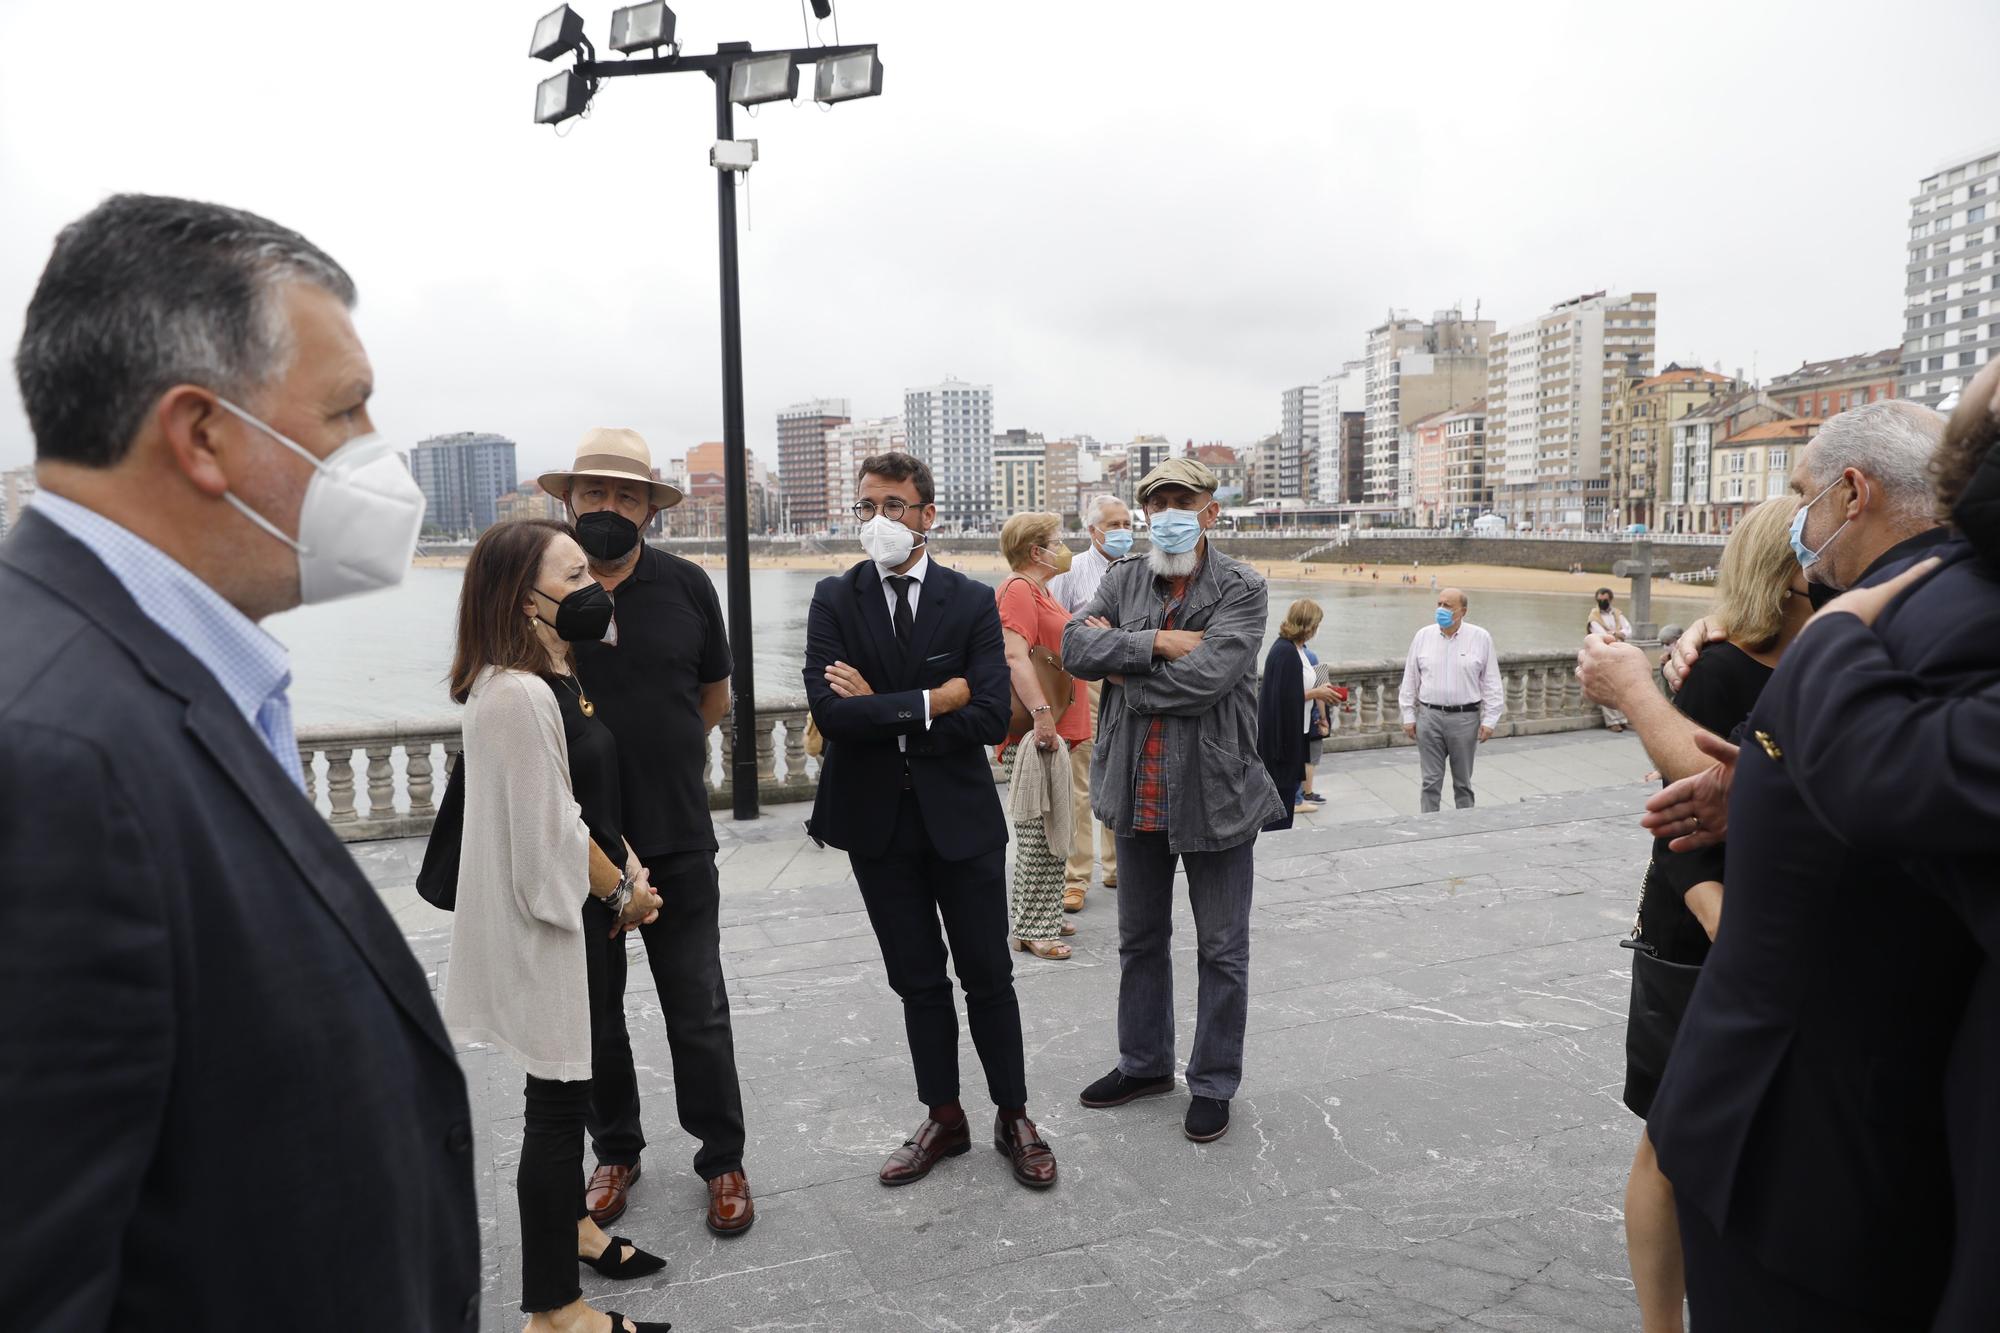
(610, 1265)
(618, 1323)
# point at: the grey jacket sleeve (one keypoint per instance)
(1227, 654)
(1093, 654)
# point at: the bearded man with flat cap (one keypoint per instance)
(659, 680)
(1177, 778)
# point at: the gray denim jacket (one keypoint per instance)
(1218, 792)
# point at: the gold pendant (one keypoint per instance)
(589, 709)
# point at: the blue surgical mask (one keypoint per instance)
(1808, 557)
(1118, 543)
(1443, 618)
(1175, 531)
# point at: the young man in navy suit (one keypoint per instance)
(909, 685)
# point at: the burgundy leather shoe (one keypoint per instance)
(1034, 1162)
(730, 1211)
(931, 1144)
(605, 1197)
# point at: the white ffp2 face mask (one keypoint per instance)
(887, 542)
(359, 523)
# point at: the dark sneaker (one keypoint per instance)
(1207, 1120)
(1313, 798)
(1115, 1089)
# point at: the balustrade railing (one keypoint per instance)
(384, 780)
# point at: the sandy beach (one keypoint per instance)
(1492, 578)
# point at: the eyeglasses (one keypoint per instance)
(891, 509)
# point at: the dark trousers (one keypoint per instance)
(1219, 889)
(684, 950)
(548, 1187)
(1730, 1292)
(907, 890)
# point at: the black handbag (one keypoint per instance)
(437, 878)
(1660, 994)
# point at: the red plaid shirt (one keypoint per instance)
(1149, 783)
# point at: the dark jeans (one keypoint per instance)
(1730, 1292)
(1219, 891)
(684, 950)
(907, 890)
(548, 1188)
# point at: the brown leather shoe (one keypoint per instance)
(1034, 1163)
(730, 1211)
(606, 1195)
(931, 1144)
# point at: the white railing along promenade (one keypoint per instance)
(384, 780)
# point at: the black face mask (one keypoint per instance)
(605, 535)
(581, 617)
(1819, 594)
(1603, 604)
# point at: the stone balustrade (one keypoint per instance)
(391, 790)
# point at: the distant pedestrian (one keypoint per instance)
(1031, 630)
(1288, 703)
(1608, 619)
(1451, 698)
(1109, 522)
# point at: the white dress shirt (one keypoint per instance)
(1456, 669)
(1074, 588)
(1310, 683)
(917, 572)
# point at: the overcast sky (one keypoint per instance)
(1127, 217)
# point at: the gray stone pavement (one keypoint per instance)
(1428, 1136)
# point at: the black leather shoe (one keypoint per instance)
(1115, 1089)
(1207, 1120)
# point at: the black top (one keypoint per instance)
(1718, 694)
(647, 689)
(593, 769)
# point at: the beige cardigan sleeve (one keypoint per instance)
(520, 762)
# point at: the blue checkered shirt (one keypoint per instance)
(253, 668)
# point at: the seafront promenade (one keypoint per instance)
(1428, 1137)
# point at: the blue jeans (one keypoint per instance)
(1219, 886)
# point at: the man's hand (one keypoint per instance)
(1096, 622)
(1694, 812)
(847, 682)
(1680, 655)
(949, 697)
(1612, 672)
(1410, 730)
(1865, 604)
(1173, 644)
(1485, 734)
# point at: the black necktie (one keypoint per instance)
(905, 620)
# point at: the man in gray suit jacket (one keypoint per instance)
(229, 1098)
(1177, 777)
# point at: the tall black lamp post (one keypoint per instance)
(741, 76)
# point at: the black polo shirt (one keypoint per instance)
(647, 689)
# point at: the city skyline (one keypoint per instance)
(1152, 300)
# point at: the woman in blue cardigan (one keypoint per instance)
(1285, 704)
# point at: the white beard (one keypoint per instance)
(1173, 566)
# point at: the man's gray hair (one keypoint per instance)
(145, 292)
(1093, 513)
(1890, 443)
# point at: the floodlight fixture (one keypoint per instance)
(642, 27)
(561, 96)
(844, 78)
(764, 79)
(557, 33)
(822, 8)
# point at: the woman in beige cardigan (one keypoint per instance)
(539, 866)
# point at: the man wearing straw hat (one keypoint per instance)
(659, 680)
